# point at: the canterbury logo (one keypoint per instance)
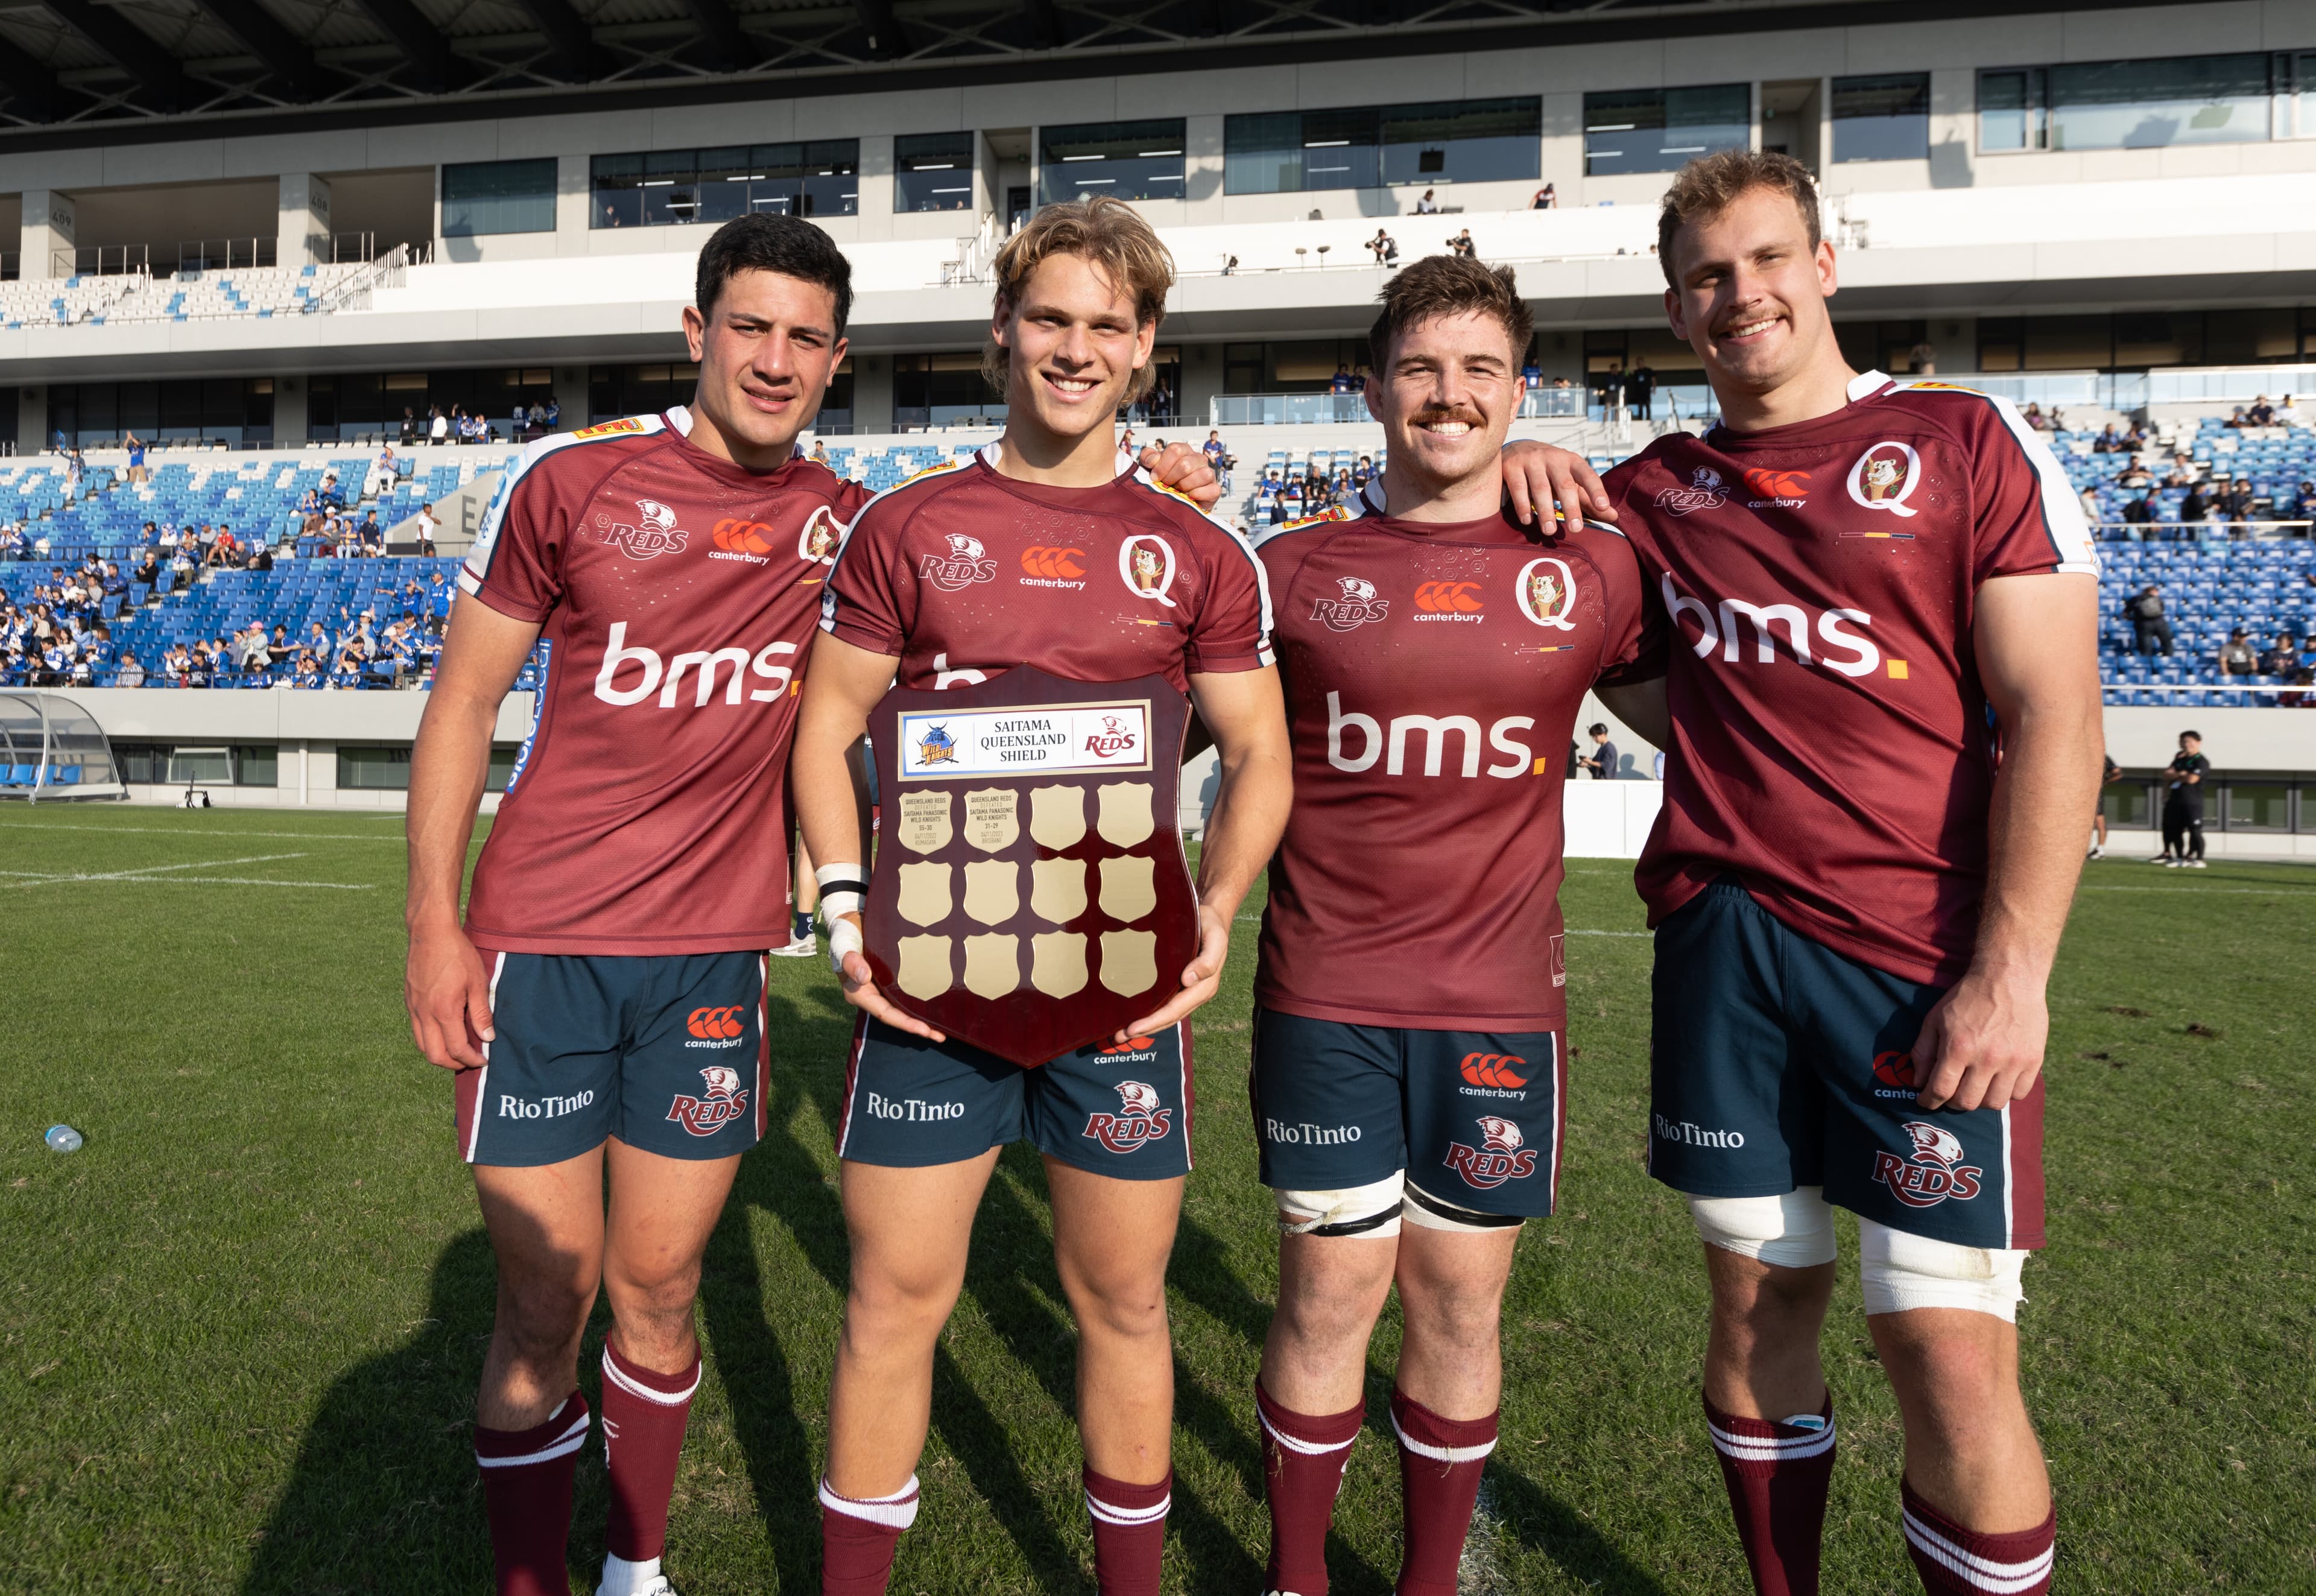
(717, 1025)
(744, 536)
(1779, 484)
(1449, 598)
(1495, 1069)
(1055, 563)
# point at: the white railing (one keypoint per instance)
(389, 271)
(1273, 410)
(2188, 531)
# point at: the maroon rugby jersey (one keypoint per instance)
(1832, 746)
(963, 572)
(1433, 673)
(677, 593)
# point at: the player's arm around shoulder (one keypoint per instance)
(444, 984)
(1632, 669)
(2035, 640)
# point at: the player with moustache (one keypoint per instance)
(1876, 605)
(1410, 1057)
(602, 999)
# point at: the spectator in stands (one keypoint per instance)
(1361, 378)
(429, 529)
(2287, 414)
(12, 543)
(2261, 414)
(554, 413)
(2237, 420)
(409, 427)
(1531, 373)
(1922, 359)
(1546, 197)
(148, 568)
(181, 564)
(75, 468)
(136, 467)
(2303, 678)
(2109, 442)
(330, 496)
(1426, 206)
(438, 425)
(2302, 504)
(1609, 386)
(2281, 658)
(114, 583)
(2091, 501)
(1384, 248)
(1462, 244)
(2149, 626)
(2235, 507)
(371, 535)
(2236, 656)
(132, 673)
(2197, 506)
(2134, 475)
(1602, 761)
(1363, 472)
(1640, 387)
(2034, 417)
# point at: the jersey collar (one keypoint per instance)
(990, 454)
(1866, 384)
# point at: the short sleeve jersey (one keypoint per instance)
(963, 572)
(1433, 674)
(676, 593)
(1812, 588)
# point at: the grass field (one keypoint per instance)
(240, 1331)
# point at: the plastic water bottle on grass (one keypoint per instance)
(63, 1138)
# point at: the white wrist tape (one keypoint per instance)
(844, 938)
(843, 890)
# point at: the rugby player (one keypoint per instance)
(602, 999)
(1876, 606)
(1409, 1034)
(1079, 292)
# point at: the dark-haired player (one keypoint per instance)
(1877, 607)
(602, 999)
(1409, 1057)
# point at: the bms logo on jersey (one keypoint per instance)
(1354, 605)
(722, 1103)
(1722, 624)
(704, 664)
(1706, 490)
(1143, 1118)
(655, 536)
(1435, 733)
(1499, 1157)
(1935, 1171)
(964, 564)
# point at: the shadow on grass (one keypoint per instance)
(383, 1495)
(1545, 1524)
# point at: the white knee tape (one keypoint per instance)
(1371, 1210)
(1795, 1231)
(1900, 1272)
(1435, 1213)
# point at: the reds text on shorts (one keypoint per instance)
(665, 1052)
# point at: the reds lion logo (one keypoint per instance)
(1354, 606)
(725, 1101)
(1706, 490)
(1499, 1157)
(657, 534)
(964, 564)
(1145, 1118)
(1933, 1174)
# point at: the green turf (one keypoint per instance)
(240, 1331)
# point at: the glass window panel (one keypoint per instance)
(1661, 129)
(484, 197)
(726, 176)
(201, 764)
(1263, 155)
(2303, 76)
(2259, 807)
(618, 191)
(502, 767)
(373, 768)
(2127, 804)
(2068, 343)
(830, 183)
(1464, 141)
(1339, 147)
(932, 172)
(2158, 338)
(1882, 119)
(256, 764)
(1125, 160)
(2151, 104)
(2007, 111)
(671, 186)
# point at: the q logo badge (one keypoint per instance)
(1885, 476)
(1548, 592)
(1145, 564)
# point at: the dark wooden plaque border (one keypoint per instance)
(1026, 1026)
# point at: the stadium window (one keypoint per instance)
(2303, 98)
(1470, 141)
(2128, 805)
(676, 187)
(372, 769)
(256, 764)
(502, 766)
(941, 390)
(932, 172)
(2258, 806)
(614, 391)
(233, 410)
(1371, 147)
(1886, 117)
(207, 764)
(1125, 160)
(2126, 104)
(1659, 129)
(485, 197)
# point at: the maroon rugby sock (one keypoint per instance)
(644, 1416)
(1440, 1466)
(1129, 1532)
(1953, 1561)
(857, 1535)
(527, 1495)
(1303, 1461)
(1777, 1476)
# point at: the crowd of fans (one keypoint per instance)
(462, 425)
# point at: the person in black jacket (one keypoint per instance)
(2184, 779)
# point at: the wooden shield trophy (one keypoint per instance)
(1031, 893)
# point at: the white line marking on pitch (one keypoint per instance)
(154, 873)
(175, 830)
(2214, 891)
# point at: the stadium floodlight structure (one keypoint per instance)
(50, 747)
